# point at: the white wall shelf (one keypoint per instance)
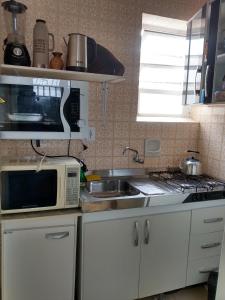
(57, 74)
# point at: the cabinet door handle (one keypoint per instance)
(57, 235)
(136, 234)
(208, 271)
(146, 232)
(213, 220)
(212, 245)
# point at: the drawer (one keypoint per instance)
(207, 220)
(199, 269)
(205, 245)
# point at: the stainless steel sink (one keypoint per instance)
(111, 188)
(110, 194)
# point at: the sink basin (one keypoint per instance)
(111, 188)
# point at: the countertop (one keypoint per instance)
(39, 214)
(116, 214)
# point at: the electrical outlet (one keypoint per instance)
(152, 147)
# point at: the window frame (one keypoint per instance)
(156, 28)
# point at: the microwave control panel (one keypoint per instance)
(72, 186)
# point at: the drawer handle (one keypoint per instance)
(214, 220)
(56, 235)
(136, 234)
(208, 271)
(147, 232)
(212, 245)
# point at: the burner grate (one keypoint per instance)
(186, 183)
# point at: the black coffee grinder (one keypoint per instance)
(15, 51)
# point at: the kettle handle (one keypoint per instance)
(53, 42)
(91, 42)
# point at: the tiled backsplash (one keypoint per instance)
(211, 138)
(116, 24)
(106, 151)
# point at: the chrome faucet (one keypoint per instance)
(136, 157)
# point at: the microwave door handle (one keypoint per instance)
(66, 93)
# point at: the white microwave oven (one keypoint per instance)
(39, 185)
(41, 108)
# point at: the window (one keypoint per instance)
(161, 76)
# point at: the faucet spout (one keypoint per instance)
(136, 157)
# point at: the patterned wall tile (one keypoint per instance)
(104, 148)
(121, 130)
(169, 130)
(116, 25)
(119, 146)
(212, 142)
(120, 162)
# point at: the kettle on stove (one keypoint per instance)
(191, 165)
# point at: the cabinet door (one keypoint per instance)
(39, 264)
(111, 254)
(196, 30)
(164, 253)
(219, 73)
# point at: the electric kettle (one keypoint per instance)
(191, 165)
(81, 51)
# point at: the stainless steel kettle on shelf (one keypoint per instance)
(79, 55)
(191, 165)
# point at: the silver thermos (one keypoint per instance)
(78, 57)
(41, 47)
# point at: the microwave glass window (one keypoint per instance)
(30, 108)
(28, 189)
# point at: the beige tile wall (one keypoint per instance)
(115, 24)
(211, 138)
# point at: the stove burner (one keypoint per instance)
(188, 184)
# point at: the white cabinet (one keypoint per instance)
(206, 235)
(134, 257)
(205, 220)
(111, 251)
(164, 253)
(38, 262)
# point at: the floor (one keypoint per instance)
(193, 293)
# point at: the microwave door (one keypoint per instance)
(32, 108)
(28, 189)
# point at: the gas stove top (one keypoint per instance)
(188, 184)
(173, 187)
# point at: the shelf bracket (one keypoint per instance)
(104, 99)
